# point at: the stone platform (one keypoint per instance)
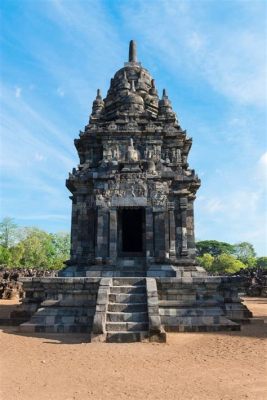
(125, 309)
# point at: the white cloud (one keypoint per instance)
(78, 22)
(17, 92)
(261, 171)
(44, 217)
(232, 61)
(39, 157)
(195, 41)
(233, 216)
(263, 160)
(212, 205)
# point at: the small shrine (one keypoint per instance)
(133, 191)
(132, 273)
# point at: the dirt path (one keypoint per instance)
(219, 366)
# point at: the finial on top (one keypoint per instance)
(98, 94)
(132, 51)
(164, 93)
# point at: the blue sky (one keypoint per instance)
(210, 56)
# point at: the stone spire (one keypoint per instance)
(98, 104)
(165, 106)
(132, 51)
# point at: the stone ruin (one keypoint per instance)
(132, 273)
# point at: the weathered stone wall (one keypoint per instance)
(58, 304)
(201, 304)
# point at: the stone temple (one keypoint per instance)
(133, 192)
(132, 273)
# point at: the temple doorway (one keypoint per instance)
(131, 230)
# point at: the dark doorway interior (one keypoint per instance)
(132, 230)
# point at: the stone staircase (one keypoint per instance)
(50, 318)
(180, 317)
(188, 305)
(127, 312)
(128, 309)
(65, 305)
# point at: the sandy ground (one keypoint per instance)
(190, 366)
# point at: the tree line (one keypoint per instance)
(35, 248)
(32, 247)
(221, 257)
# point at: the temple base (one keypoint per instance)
(134, 268)
(127, 309)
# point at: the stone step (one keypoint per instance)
(127, 298)
(126, 337)
(195, 320)
(187, 304)
(11, 321)
(191, 312)
(50, 303)
(131, 281)
(257, 321)
(179, 297)
(76, 303)
(127, 289)
(60, 319)
(29, 327)
(127, 317)
(177, 291)
(203, 328)
(124, 307)
(132, 274)
(126, 326)
(65, 311)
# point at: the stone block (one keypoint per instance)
(154, 323)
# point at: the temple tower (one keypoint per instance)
(133, 191)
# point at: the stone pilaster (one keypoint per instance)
(159, 235)
(172, 233)
(102, 248)
(190, 229)
(113, 227)
(166, 234)
(183, 208)
(74, 229)
(149, 232)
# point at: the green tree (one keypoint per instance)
(226, 263)
(206, 261)
(60, 249)
(4, 256)
(32, 247)
(213, 247)
(8, 231)
(245, 252)
(261, 262)
(16, 255)
(37, 249)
